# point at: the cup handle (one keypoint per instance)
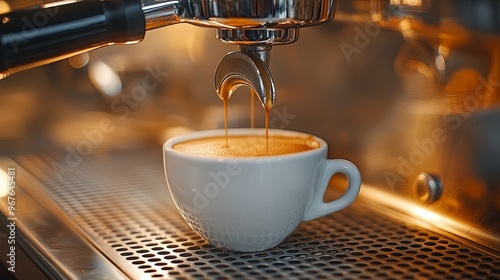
(326, 169)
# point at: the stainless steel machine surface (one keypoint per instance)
(115, 212)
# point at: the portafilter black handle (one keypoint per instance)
(47, 33)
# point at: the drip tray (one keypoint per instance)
(113, 218)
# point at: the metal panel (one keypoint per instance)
(120, 203)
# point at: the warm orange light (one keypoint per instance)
(425, 215)
(105, 79)
(414, 3)
(4, 179)
(79, 61)
(4, 8)
(413, 209)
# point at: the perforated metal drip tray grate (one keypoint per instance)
(120, 204)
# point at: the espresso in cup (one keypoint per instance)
(247, 146)
(252, 200)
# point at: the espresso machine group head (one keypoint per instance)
(48, 32)
(242, 22)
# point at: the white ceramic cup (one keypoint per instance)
(253, 204)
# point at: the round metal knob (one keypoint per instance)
(427, 188)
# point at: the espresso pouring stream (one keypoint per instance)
(247, 67)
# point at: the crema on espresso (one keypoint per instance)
(247, 146)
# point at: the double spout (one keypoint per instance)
(247, 67)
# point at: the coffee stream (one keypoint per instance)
(250, 145)
(225, 101)
(252, 107)
(252, 116)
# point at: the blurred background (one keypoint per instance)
(412, 101)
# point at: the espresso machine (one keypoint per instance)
(406, 89)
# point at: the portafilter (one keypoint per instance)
(53, 31)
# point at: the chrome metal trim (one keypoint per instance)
(49, 236)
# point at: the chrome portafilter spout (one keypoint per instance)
(247, 67)
(255, 28)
